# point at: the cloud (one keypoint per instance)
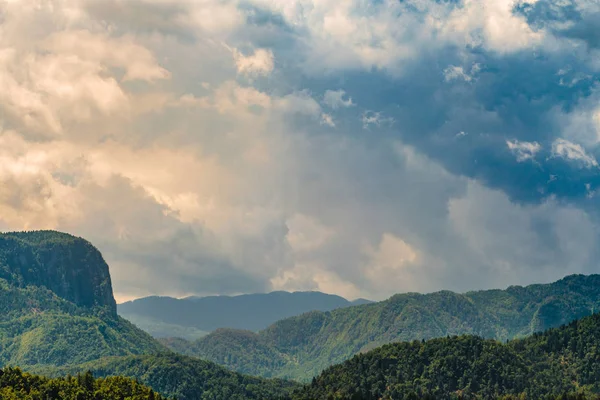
(261, 62)
(540, 243)
(574, 20)
(389, 262)
(69, 77)
(314, 277)
(494, 25)
(137, 61)
(523, 150)
(375, 119)
(306, 234)
(327, 119)
(193, 142)
(573, 152)
(298, 102)
(335, 99)
(454, 72)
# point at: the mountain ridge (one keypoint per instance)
(158, 314)
(310, 342)
(560, 363)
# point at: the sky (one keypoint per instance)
(356, 147)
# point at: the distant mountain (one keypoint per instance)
(58, 316)
(557, 364)
(301, 347)
(160, 330)
(359, 302)
(167, 316)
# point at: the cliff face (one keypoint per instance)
(67, 265)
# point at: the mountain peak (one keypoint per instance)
(69, 266)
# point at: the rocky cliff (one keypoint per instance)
(68, 266)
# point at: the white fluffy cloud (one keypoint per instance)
(261, 62)
(455, 72)
(573, 152)
(491, 23)
(526, 252)
(523, 151)
(391, 262)
(335, 99)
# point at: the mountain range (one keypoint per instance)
(193, 317)
(58, 316)
(561, 363)
(302, 346)
(58, 319)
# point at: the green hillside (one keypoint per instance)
(47, 330)
(187, 378)
(560, 363)
(17, 385)
(54, 322)
(68, 266)
(300, 347)
(242, 351)
(57, 306)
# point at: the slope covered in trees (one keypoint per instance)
(48, 336)
(560, 363)
(56, 303)
(187, 378)
(68, 266)
(52, 322)
(300, 347)
(242, 351)
(17, 385)
(165, 316)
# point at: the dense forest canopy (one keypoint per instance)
(17, 385)
(559, 363)
(188, 378)
(39, 328)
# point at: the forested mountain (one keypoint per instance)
(16, 385)
(195, 316)
(68, 266)
(300, 347)
(242, 351)
(53, 321)
(36, 327)
(560, 363)
(187, 378)
(56, 303)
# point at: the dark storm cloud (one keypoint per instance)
(465, 124)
